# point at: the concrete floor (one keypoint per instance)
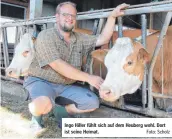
(15, 115)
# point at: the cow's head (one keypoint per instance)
(23, 55)
(125, 68)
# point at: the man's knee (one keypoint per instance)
(40, 105)
(94, 103)
(72, 109)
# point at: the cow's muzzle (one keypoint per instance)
(11, 72)
(108, 95)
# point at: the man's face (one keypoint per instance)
(66, 18)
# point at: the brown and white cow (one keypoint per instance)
(162, 76)
(159, 80)
(125, 68)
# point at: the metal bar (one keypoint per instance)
(161, 95)
(44, 26)
(143, 41)
(16, 3)
(35, 28)
(110, 43)
(151, 21)
(35, 8)
(51, 19)
(100, 26)
(3, 68)
(16, 36)
(120, 23)
(158, 47)
(135, 11)
(5, 47)
(130, 7)
(23, 30)
(12, 79)
(96, 21)
(91, 71)
(120, 34)
(133, 108)
(153, 112)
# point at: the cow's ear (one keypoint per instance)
(99, 54)
(137, 45)
(143, 55)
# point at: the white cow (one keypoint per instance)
(23, 55)
(125, 65)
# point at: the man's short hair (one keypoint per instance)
(65, 3)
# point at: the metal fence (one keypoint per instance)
(100, 16)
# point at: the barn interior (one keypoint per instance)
(21, 9)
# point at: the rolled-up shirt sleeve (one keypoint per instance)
(46, 49)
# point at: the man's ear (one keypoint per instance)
(143, 55)
(99, 54)
(57, 17)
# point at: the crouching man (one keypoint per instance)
(57, 66)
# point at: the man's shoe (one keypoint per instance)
(37, 126)
(36, 129)
(59, 113)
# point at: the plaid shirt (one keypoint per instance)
(51, 46)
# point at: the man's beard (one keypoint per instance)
(66, 28)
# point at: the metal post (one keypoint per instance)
(44, 26)
(120, 34)
(120, 23)
(100, 26)
(91, 71)
(24, 30)
(151, 21)
(16, 36)
(143, 41)
(96, 21)
(5, 47)
(35, 8)
(158, 47)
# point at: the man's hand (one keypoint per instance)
(95, 81)
(118, 10)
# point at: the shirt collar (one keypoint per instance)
(72, 38)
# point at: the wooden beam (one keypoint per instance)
(16, 2)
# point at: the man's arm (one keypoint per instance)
(70, 72)
(107, 32)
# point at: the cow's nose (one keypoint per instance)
(11, 72)
(104, 93)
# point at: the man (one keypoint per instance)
(57, 66)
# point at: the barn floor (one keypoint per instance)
(15, 117)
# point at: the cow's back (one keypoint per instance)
(166, 64)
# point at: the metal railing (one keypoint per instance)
(142, 9)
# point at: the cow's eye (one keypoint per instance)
(130, 62)
(25, 53)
